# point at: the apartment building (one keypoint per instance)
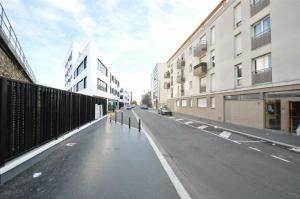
(160, 87)
(86, 73)
(241, 66)
(125, 98)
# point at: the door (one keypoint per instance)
(273, 114)
(294, 116)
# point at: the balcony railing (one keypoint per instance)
(180, 79)
(166, 85)
(167, 74)
(262, 39)
(8, 32)
(200, 49)
(262, 76)
(255, 8)
(200, 69)
(202, 89)
(180, 63)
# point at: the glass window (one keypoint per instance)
(80, 68)
(178, 103)
(239, 74)
(184, 103)
(202, 84)
(262, 26)
(102, 68)
(263, 62)
(212, 102)
(101, 85)
(213, 58)
(202, 102)
(237, 15)
(238, 45)
(81, 85)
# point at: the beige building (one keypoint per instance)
(241, 66)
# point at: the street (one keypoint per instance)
(214, 166)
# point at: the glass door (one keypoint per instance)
(294, 116)
(273, 114)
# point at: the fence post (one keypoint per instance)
(3, 121)
(129, 122)
(139, 125)
(121, 117)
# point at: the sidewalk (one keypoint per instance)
(289, 139)
(106, 160)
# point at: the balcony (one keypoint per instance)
(180, 63)
(200, 69)
(262, 76)
(167, 74)
(180, 79)
(255, 8)
(200, 49)
(261, 40)
(166, 85)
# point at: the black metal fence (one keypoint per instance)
(31, 115)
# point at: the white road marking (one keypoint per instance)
(255, 149)
(179, 119)
(295, 149)
(190, 122)
(202, 127)
(36, 175)
(225, 134)
(279, 158)
(71, 144)
(248, 141)
(174, 179)
(172, 117)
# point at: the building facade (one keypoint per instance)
(160, 87)
(241, 66)
(86, 73)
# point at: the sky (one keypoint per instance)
(133, 35)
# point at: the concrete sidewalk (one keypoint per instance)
(289, 139)
(106, 160)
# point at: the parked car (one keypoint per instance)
(143, 106)
(128, 107)
(164, 110)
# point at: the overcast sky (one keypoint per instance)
(133, 35)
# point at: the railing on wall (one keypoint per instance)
(11, 37)
(31, 115)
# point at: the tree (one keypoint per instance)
(134, 102)
(146, 99)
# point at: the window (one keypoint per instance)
(202, 84)
(190, 85)
(239, 74)
(212, 102)
(262, 27)
(212, 36)
(80, 68)
(203, 39)
(191, 67)
(184, 103)
(190, 50)
(202, 102)
(81, 84)
(178, 103)
(212, 82)
(238, 45)
(213, 58)
(101, 85)
(238, 15)
(102, 68)
(191, 102)
(262, 63)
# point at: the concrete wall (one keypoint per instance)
(10, 69)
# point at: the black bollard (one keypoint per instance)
(139, 125)
(115, 116)
(122, 118)
(129, 122)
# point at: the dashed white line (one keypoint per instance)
(252, 141)
(255, 149)
(190, 122)
(279, 158)
(202, 127)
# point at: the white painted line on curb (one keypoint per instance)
(202, 127)
(225, 134)
(250, 141)
(174, 179)
(255, 149)
(190, 122)
(279, 158)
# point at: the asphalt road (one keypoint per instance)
(213, 166)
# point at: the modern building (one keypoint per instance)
(241, 66)
(125, 98)
(159, 85)
(86, 73)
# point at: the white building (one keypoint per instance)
(86, 73)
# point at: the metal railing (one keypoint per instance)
(200, 69)
(200, 49)
(180, 79)
(167, 74)
(11, 37)
(32, 115)
(180, 63)
(262, 76)
(261, 40)
(255, 8)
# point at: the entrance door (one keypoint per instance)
(273, 114)
(294, 116)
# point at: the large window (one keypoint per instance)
(262, 63)
(202, 102)
(238, 15)
(178, 103)
(184, 103)
(102, 68)
(239, 74)
(80, 68)
(262, 27)
(81, 84)
(238, 45)
(101, 85)
(212, 102)
(202, 84)
(213, 58)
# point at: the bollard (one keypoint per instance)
(129, 122)
(115, 116)
(139, 125)
(122, 118)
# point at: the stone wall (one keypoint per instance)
(10, 69)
